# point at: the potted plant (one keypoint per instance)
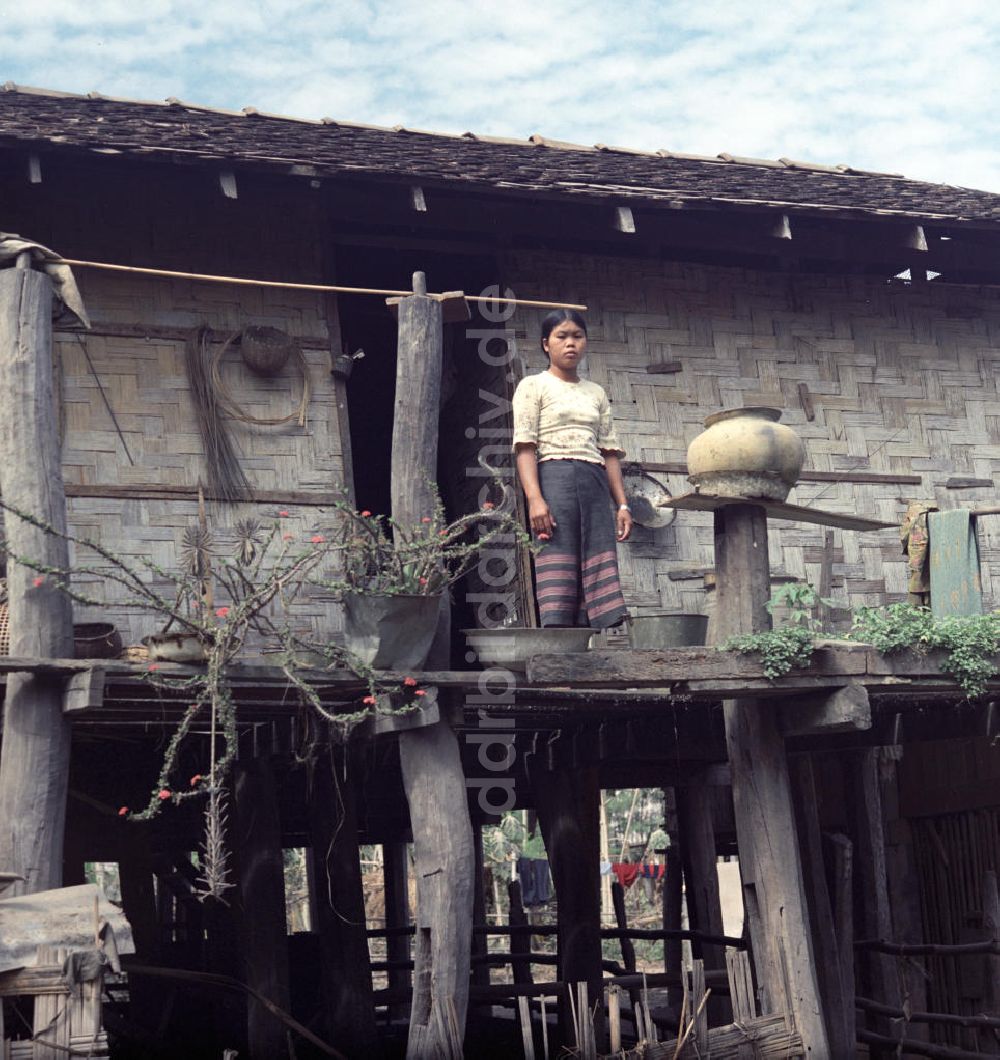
(395, 576)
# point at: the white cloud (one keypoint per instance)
(887, 84)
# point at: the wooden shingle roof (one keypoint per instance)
(328, 148)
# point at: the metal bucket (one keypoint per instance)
(668, 631)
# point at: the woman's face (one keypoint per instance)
(566, 345)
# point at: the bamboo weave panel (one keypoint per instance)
(901, 380)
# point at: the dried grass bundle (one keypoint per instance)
(226, 478)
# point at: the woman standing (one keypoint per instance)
(569, 464)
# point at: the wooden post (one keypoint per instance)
(520, 932)
(397, 915)
(877, 972)
(673, 893)
(34, 764)
(701, 879)
(261, 888)
(430, 758)
(480, 946)
(770, 865)
(838, 1004)
(339, 905)
(568, 803)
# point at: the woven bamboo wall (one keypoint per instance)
(145, 383)
(902, 380)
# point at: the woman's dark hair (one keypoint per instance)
(555, 318)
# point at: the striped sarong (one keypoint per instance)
(576, 575)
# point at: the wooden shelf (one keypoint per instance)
(708, 502)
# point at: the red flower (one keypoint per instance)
(286, 537)
(544, 537)
(36, 582)
(442, 533)
(153, 667)
(369, 701)
(420, 692)
(195, 779)
(282, 515)
(122, 811)
(410, 682)
(221, 612)
(317, 539)
(489, 505)
(426, 519)
(163, 795)
(366, 514)
(422, 581)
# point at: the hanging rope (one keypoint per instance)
(229, 403)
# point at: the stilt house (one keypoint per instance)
(862, 794)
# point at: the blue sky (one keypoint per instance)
(883, 84)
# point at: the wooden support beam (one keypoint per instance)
(337, 893)
(34, 762)
(877, 973)
(839, 710)
(84, 691)
(624, 220)
(227, 184)
(770, 863)
(782, 227)
(261, 888)
(701, 877)
(395, 876)
(568, 801)
(481, 972)
(430, 758)
(837, 995)
(520, 933)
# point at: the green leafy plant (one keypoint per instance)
(800, 599)
(971, 643)
(791, 643)
(780, 649)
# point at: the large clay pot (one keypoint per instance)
(390, 632)
(746, 453)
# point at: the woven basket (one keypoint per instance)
(265, 350)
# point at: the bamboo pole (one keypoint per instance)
(207, 277)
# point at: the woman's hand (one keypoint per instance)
(623, 522)
(540, 517)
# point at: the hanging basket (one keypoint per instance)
(390, 632)
(266, 350)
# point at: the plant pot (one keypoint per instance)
(746, 453)
(390, 632)
(513, 646)
(668, 631)
(181, 647)
(96, 640)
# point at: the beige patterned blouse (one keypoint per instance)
(565, 421)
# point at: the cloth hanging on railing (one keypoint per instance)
(956, 585)
(534, 876)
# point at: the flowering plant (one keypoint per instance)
(383, 556)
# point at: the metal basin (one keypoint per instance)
(668, 631)
(513, 646)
